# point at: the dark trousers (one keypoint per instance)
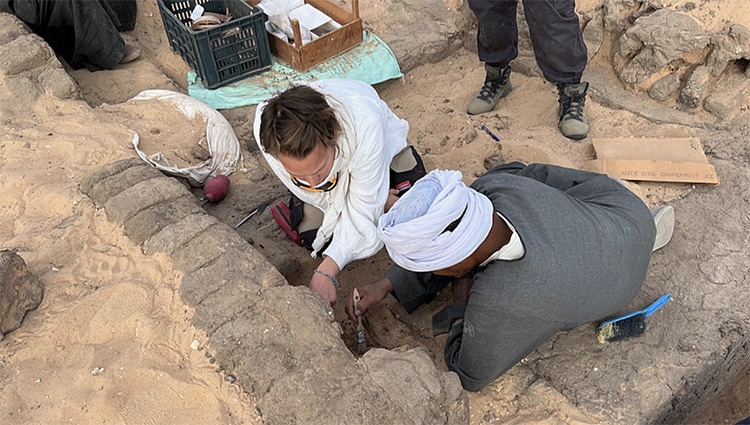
(555, 35)
(413, 289)
(83, 32)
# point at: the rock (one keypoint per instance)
(11, 28)
(59, 83)
(200, 153)
(593, 35)
(615, 12)
(20, 291)
(664, 87)
(692, 93)
(417, 387)
(656, 40)
(492, 161)
(620, 14)
(23, 54)
(730, 47)
(727, 96)
(22, 89)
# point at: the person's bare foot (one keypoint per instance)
(131, 53)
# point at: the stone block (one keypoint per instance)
(58, 83)
(664, 87)
(115, 184)
(728, 95)
(11, 28)
(205, 247)
(692, 92)
(155, 218)
(88, 182)
(142, 195)
(169, 239)
(20, 291)
(23, 54)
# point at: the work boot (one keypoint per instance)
(573, 124)
(496, 86)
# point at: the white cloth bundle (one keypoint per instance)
(222, 142)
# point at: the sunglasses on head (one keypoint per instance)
(323, 187)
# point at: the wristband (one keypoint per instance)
(333, 279)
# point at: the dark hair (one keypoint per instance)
(295, 121)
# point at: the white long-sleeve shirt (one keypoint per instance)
(372, 135)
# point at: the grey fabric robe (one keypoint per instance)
(587, 242)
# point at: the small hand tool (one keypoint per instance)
(258, 210)
(361, 341)
(629, 325)
(488, 131)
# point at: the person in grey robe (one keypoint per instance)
(529, 251)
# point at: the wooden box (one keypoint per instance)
(302, 57)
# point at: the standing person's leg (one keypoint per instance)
(561, 55)
(556, 36)
(497, 45)
(497, 32)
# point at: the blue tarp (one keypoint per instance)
(372, 61)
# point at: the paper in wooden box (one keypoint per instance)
(303, 56)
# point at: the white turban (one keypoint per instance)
(413, 229)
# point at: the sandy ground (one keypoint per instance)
(111, 341)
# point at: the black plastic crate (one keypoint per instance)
(222, 54)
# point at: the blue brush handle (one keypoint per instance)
(645, 312)
(656, 305)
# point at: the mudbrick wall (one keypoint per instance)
(277, 341)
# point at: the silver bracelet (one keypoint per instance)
(333, 279)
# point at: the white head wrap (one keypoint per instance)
(413, 229)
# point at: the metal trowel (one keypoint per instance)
(361, 341)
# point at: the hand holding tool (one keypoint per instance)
(258, 210)
(631, 324)
(361, 341)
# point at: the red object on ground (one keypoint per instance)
(216, 188)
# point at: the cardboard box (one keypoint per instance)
(679, 160)
(301, 56)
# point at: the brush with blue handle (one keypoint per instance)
(629, 325)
